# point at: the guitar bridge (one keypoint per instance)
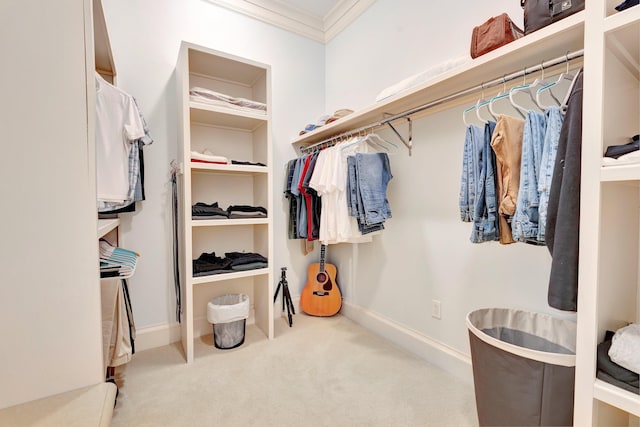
(320, 293)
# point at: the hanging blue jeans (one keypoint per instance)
(374, 174)
(554, 119)
(524, 225)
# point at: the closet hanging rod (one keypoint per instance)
(465, 92)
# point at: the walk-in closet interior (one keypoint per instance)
(254, 139)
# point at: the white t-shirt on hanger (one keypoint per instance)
(117, 124)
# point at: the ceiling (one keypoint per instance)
(319, 20)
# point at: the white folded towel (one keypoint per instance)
(217, 98)
(208, 156)
(625, 347)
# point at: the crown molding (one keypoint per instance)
(297, 21)
(343, 14)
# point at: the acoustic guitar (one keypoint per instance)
(321, 294)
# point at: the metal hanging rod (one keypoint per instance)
(465, 92)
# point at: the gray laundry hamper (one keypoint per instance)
(523, 367)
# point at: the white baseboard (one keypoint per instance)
(157, 336)
(161, 335)
(435, 352)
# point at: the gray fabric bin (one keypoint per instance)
(523, 367)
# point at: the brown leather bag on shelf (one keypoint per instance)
(494, 33)
(540, 13)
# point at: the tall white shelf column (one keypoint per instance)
(235, 134)
(610, 208)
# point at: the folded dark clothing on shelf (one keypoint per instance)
(203, 209)
(237, 209)
(612, 369)
(240, 258)
(615, 151)
(205, 217)
(627, 4)
(246, 215)
(249, 266)
(611, 380)
(240, 162)
(209, 264)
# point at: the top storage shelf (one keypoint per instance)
(547, 43)
(227, 75)
(224, 68)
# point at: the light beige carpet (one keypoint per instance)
(321, 372)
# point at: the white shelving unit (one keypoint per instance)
(236, 135)
(610, 208)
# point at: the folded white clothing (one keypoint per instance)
(422, 77)
(212, 97)
(625, 347)
(625, 159)
(207, 156)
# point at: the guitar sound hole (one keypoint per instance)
(321, 277)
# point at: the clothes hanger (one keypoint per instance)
(385, 145)
(529, 89)
(504, 94)
(464, 114)
(474, 107)
(483, 103)
(564, 76)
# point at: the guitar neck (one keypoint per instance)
(323, 249)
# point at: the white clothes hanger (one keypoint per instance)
(483, 103)
(504, 94)
(464, 114)
(564, 76)
(529, 89)
(387, 146)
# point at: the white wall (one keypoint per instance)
(425, 252)
(145, 37)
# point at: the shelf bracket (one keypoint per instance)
(408, 143)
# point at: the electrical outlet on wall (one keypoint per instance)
(436, 309)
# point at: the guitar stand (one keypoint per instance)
(286, 296)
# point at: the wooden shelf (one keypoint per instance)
(232, 169)
(214, 115)
(103, 57)
(617, 397)
(622, 19)
(107, 225)
(229, 276)
(620, 173)
(225, 222)
(547, 43)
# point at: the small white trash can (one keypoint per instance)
(228, 313)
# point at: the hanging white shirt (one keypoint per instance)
(117, 124)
